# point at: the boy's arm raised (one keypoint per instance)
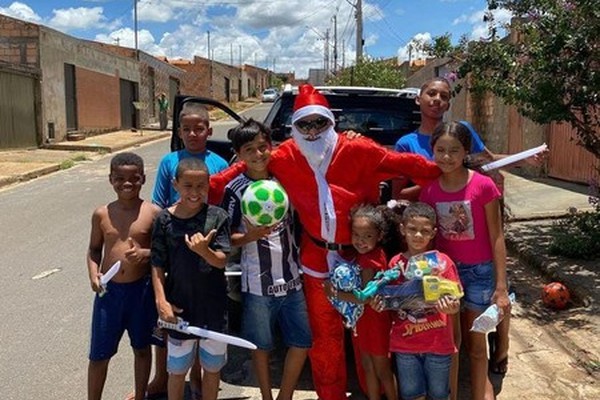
(199, 244)
(94, 254)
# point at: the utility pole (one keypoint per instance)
(135, 28)
(231, 54)
(208, 46)
(210, 67)
(335, 51)
(359, 31)
(326, 55)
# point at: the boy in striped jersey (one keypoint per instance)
(271, 284)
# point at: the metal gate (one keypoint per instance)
(17, 111)
(567, 160)
(71, 97)
(129, 115)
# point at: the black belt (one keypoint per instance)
(330, 246)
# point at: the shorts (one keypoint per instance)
(181, 353)
(479, 284)
(260, 313)
(125, 307)
(423, 375)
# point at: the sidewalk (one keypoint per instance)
(22, 165)
(533, 205)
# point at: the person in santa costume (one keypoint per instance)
(325, 175)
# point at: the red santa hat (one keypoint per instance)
(310, 101)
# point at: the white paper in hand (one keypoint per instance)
(514, 158)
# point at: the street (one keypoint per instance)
(47, 301)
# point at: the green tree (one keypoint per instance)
(548, 68)
(371, 72)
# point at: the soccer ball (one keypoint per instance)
(555, 295)
(264, 203)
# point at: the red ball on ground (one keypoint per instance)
(555, 295)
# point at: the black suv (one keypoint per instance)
(381, 114)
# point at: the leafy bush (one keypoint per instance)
(578, 235)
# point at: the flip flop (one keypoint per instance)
(156, 396)
(495, 366)
(499, 367)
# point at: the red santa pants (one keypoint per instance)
(327, 357)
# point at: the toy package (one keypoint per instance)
(345, 277)
(417, 294)
(422, 288)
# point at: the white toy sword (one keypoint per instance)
(105, 278)
(184, 327)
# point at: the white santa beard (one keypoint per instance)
(315, 151)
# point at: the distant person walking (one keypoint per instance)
(163, 110)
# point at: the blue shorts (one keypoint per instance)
(260, 313)
(125, 307)
(423, 374)
(181, 354)
(479, 284)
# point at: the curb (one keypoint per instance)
(36, 173)
(105, 149)
(549, 268)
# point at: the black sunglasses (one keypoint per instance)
(318, 123)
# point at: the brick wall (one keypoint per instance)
(93, 114)
(19, 42)
(196, 80)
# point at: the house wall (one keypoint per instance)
(92, 86)
(196, 80)
(254, 81)
(20, 72)
(97, 65)
(19, 43)
(156, 76)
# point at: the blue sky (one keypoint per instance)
(281, 35)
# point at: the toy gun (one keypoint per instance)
(380, 279)
(184, 327)
(418, 294)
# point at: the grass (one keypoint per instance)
(67, 164)
(80, 157)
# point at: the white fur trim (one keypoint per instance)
(313, 109)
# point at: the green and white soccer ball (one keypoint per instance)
(265, 203)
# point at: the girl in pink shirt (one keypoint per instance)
(470, 232)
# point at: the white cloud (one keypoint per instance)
(405, 51)
(463, 18)
(148, 10)
(125, 37)
(480, 28)
(21, 11)
(68, 19)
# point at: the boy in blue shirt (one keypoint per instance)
(194, 131)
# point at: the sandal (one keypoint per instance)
(496, 366)
(499, 367)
